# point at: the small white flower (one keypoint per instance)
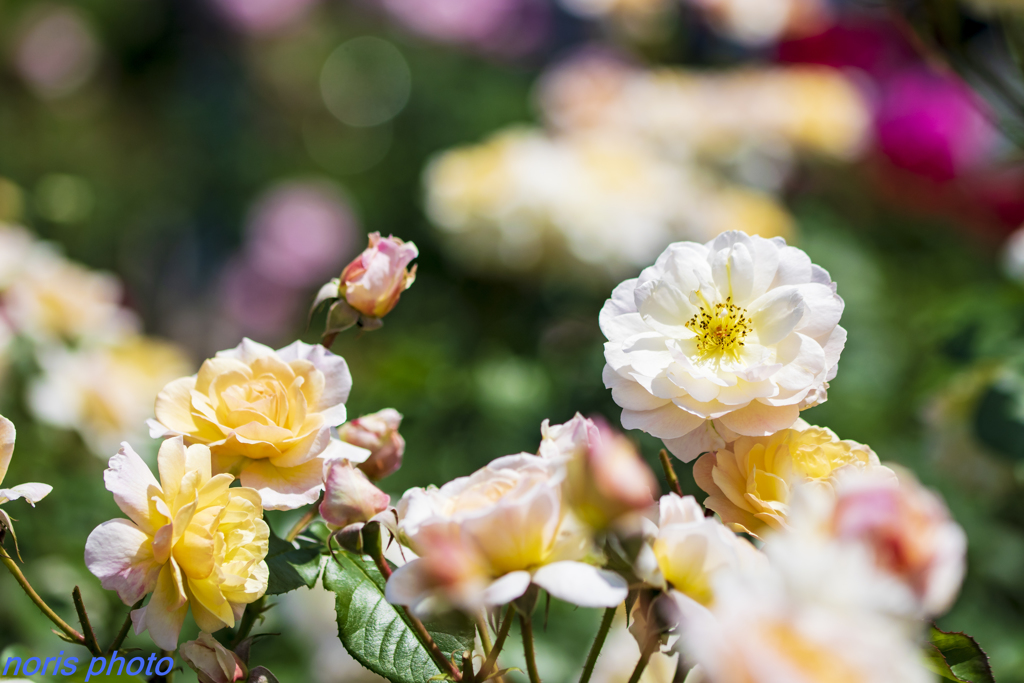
(733, 337)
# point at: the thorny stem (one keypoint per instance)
(526, 625)
(301, 525)
(499, 642)
(83, 618)
(442, 662)
(645, 656)
(252, 613)
(670, 473)
(71, 633)
(125, 627)
(595, 649)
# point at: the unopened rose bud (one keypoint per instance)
(374, 281)
(349, 496)
(212, 661)
(377, 433)
(606, 477)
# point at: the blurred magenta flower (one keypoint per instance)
(932, 124)
(57, 51)
(263, 16)
(301, 233)
(505, 27)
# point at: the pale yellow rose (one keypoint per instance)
(749, 483)
(55, 299)
(692, 551)
(506, 527)
(266, 416)
(106, 392)
(192, 542)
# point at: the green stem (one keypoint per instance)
(169, 677)
(485, 634)
(442, 662)
(670, 473)
(252, 612)
(71, 633)
(125, 627)
(83, 618)
(595, 649)
(499, 642)
(645, 657)
(307, 518)
(526, 625)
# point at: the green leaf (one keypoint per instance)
(293, 565)
(957, 657)
(377, 634)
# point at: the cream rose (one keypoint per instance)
(483, 539)
(733, 337)
(266, 416)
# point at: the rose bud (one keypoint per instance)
(212, 661)
(377, 433)
(349, 496)
(605, 476)
(374, 281)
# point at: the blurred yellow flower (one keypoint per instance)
(104, 392)
(692, 551)
(749, 483)
(266, 416)
(54, 299)
(192, 542)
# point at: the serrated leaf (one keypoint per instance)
(377, 634)
(292, 566)
(957, 657)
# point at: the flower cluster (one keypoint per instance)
(98, 374)
(632, 160)
(809, 561)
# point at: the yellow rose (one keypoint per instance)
(192, 542)
(266, 416)
(749, 483)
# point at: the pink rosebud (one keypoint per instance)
(375, 280)
(349, 496)
(212, 661)
(606, 477)
(377, 433)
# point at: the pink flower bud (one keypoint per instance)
(377, 433)
(349, 496)
(375, 280)
(212, 661)
(606, 477)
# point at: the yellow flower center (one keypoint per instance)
(720, 329)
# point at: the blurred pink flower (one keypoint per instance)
(263, 16)
(932, 124)
(57, 51)
(260, 307)
(301, 233)
(507, 27)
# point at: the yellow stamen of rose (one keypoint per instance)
(720, 329)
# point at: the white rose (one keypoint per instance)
(733, 337)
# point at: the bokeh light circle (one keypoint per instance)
(365, 82)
